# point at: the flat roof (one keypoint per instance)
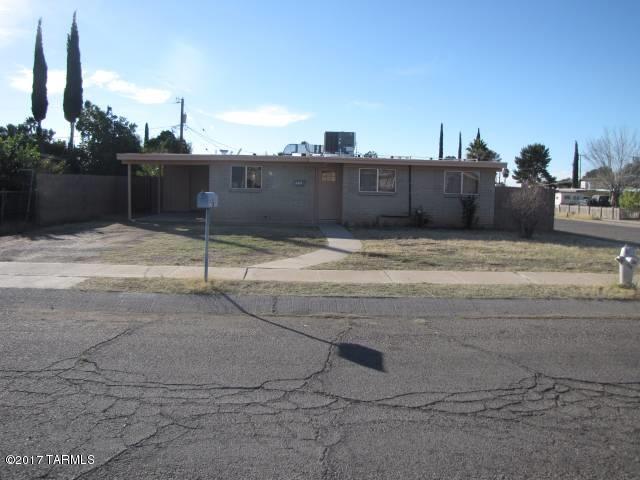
(207, 159)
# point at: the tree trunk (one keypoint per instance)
(39, 134)
(71, 135)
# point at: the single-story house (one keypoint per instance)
(315, 189)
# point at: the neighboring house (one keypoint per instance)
(572, 196)
(310, 190)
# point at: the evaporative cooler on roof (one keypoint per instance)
(340, 143)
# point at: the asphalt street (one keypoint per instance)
(604, 230)
(160, 386)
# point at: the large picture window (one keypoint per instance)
(246, 177)
(461, 183)
(377, 180)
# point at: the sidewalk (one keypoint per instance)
(67, 275)
(340, 243)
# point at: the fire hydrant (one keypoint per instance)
(628, 263)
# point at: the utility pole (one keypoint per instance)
(182, 121)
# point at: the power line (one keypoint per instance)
(215, 141)
(211, 141)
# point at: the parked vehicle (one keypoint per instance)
(600, 201)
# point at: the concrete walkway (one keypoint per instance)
(340, 243)
(66, 275)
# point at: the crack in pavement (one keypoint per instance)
(120, 413)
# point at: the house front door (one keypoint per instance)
(329, 194)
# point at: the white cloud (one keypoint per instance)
(111, 81)
(12, 14)
(23, 79)
(367, 105)
(265, 116)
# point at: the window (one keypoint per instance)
(377, 180)
(470, 182)
(461, 183)
(328, 176)
(246, 177)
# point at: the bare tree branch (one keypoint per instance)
(612, 156)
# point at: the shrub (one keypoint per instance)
(528, 206)
(469, 209)
(630, 200)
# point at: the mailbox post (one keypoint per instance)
(206, 200)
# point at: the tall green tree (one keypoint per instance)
(146, 134)
(72, 103)
(167, 142)
(478, 150)
(459, 145)
(532, 165)
(104, 135)
(575, 181)
(478, 135)
(39, 102)
(441, 146)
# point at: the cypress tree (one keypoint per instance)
(460, 146)
(440, 148)
(72, 103)
(146, 134)
(39, 103)
(478, 135)
(576, 158)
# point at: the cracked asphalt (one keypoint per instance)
(159, 386)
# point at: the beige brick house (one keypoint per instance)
(315, 189)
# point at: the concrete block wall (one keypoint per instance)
(427, 192)
(74, 198)
(364, 208)
(445, 209)
(280, 200)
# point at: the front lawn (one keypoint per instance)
(148, 243)
(439, 249)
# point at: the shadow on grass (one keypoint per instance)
(359, 354)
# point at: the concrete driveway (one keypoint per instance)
(616, 231)
(157, 386)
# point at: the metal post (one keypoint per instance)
(129, 212)
(206, 244)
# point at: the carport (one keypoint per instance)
(179, 181)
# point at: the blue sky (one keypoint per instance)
(261, 74)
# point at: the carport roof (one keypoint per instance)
(200, 159)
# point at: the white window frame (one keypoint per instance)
(259, 167)
(377, 190)
(461, 190)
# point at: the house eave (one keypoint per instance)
(206, 159)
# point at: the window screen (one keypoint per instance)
(470, 181)
(368, 180)
(237, 177)
(254, 177)
(246, 177)
(452, 182)
(386, 180)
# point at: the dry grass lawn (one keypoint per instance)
(148, 243)
(484, 250)
(229, 246)
(192, 286)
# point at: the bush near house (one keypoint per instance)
(630, 200)
(528, 207)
